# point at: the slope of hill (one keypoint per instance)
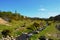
(3, 22)
(51, 32)
(25, 24)
(55, 18)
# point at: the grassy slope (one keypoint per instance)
(49, 30)
(16, 24)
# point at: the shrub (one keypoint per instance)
(35, 24)
(42, 38)
(5, 33)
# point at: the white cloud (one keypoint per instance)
(41, 9)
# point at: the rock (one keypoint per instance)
(58, 27)
(22, 37)
(35, 32)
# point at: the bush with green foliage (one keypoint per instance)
(42, 38)
(5, 33)
(35, 24)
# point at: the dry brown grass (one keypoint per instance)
(3, 22)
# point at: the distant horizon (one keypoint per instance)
(27, 16)
(32, 8)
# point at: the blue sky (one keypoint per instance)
(32, 8)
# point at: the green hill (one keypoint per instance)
(20, 23)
